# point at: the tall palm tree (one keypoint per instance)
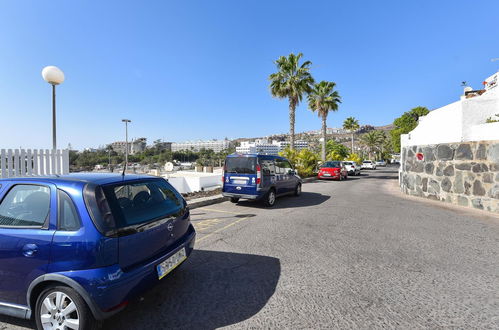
(291, 81)
(373, 140)
(351, 124)
(323, 98)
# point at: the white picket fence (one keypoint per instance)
(37, 162)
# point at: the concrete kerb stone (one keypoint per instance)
(204, 201)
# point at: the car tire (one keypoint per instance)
(298, 190)
(270, 198)
(79, 313)
(234, 200)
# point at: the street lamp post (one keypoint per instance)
(126, 121)
(54, 76)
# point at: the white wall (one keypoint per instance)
(443, 125)
(484, 132)
(188, 183)
(475, 112)
(461, 121)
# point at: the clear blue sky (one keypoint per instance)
(198, 69)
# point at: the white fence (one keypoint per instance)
(22, 163)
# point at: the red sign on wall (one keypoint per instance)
(420, 156)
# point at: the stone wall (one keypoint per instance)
(465, 173)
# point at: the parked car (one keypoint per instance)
(368, 165)
(77, 248)
(352, 167)
(259, 177)
(333, 170)
(381, 163)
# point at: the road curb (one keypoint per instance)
(311, 179)
(199, 202)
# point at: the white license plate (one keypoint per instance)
(239, 181)
(169, 264)
(326, 174)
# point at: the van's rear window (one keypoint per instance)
(240, 165)
(139, 202)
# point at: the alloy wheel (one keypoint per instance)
(59, 312)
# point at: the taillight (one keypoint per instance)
(258, 174)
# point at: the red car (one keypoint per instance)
(333, 170)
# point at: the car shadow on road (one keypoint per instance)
(211, 290)
(284, 202)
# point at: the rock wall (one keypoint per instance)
(465, 173)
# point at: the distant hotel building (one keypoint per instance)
(263, 146)
(137, 145)
(215, 145)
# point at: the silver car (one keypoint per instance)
(352, 167)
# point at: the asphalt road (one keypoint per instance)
(346, 254)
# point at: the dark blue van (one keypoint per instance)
(259, 177)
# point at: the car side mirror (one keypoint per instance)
(291, 172)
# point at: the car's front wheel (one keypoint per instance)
(60, 307)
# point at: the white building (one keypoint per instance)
(461, 121)
(263, 146)
(299, 144)
(137, 145)
(215, 145)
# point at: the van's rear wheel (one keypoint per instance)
(234, 199)
(60, 307)
(270, 199)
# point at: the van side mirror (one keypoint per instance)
(291, 172)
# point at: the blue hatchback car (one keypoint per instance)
(77, 248)
(259, 177)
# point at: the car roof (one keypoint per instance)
(84, 178)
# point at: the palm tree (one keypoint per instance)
(291, 81)
(352, 125)
(323, 98)
(373, 140)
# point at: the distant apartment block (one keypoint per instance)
(164, 146)
(329, 130)
(263, 146)
(215, 145)
(137, 145)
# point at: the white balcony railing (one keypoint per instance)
(37, 162)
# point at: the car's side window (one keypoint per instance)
(68, 218)
(287, 167)
(25, 206)
(268, 167)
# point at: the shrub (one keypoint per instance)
(354, 158)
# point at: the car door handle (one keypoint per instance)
(30, 250)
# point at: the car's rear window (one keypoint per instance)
(347, 163)
(240, 165)
(139, 202)
(331, 164)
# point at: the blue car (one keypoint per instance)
(259, 177)
(76, 249)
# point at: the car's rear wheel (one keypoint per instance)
(298, 189)
(60, 307)
(234, 199)
(270, 199)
